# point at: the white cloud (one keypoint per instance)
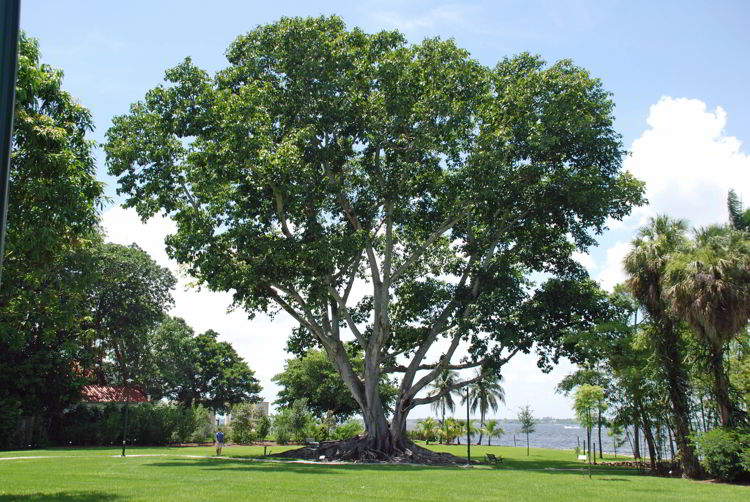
(585, 259)
(422, 21)
(123, 226)
(612, 273)
(687, 162)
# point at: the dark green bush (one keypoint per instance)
(148, 424)
(10, 417)
(722, 451)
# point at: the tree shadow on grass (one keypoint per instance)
(238, 464)
(61, 497)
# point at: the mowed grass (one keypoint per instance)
(188, 474)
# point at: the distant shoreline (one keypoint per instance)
(544, 420)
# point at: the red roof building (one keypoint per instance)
(105, 394)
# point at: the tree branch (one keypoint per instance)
(280, 213)
(347, 315)
(431, 399)
(444, 227)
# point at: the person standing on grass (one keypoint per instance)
(219, 442)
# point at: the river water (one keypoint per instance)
(555, 436)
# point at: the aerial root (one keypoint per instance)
(362, 450)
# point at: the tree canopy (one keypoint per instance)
(199, 370)
(129, 296)
(54, 199)
(322, 157)
(312, 377)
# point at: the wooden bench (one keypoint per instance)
(312, 443)
(491, 458)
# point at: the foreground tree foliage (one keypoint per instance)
(321, 157)
(52, 214)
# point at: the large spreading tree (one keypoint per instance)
(323, 158)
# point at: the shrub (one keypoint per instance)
(10, 417)
(263, 427)
(281, 428)
(348, 430)
(293, 422)
(317, 431)
(204, 430)
(248, 423)
(148, 423)
(745, 458)
(722, 452)
(186, 421)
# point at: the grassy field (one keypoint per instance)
(188, 474)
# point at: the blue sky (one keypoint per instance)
(678, 71)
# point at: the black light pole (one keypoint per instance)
(468, 429)
(11, 10)
(125, 422)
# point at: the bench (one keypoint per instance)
(491, 458)
(311, 442)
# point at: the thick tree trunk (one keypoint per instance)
(671, 361)
(382, 441)
(648, 436)
(651, 444)
(721, 388)
(481, 427)
(599, 425)
(636, 442)
(671, 441)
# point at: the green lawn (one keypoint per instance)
(170, 474)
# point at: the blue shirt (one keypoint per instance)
(220, 437)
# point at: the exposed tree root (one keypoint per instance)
(360, 449)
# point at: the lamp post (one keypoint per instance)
(125, 422)
(468, 429)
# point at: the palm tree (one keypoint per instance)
(710, 290)
(441, 388)
(472, 429)
(739, 216)
(493, 430)
(486, 393)
(428, 427)
(451, 430)
(645, 265)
